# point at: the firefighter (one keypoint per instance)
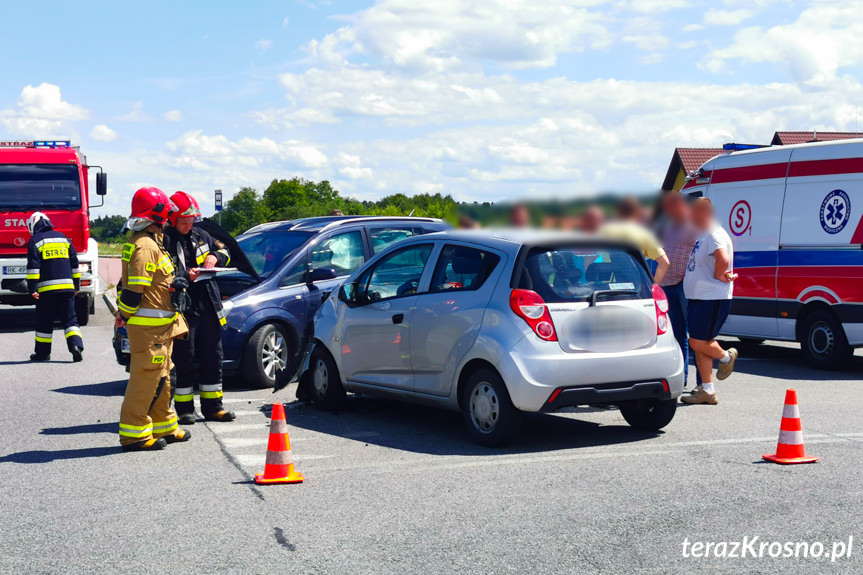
(193, 248)
(145, 306)
(53, 278)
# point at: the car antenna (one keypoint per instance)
(412, 212)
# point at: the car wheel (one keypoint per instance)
(648, 414)
(823, 341)
(324, 382)
(266, 354)
(488, 412)
(82, 310)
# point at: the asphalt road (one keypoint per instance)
(399, 489)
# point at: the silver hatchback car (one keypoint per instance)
(496, 324)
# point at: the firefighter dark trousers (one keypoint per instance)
(204, 344)
(146, 411)
(51, 306)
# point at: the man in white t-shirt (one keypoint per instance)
(708, 285)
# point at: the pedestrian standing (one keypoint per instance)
(708, 285)
(53, 279)
(147, 421)
(192, 248)
(677, 236)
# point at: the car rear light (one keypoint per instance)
(554, 395)
(660, 300)
(529, 306)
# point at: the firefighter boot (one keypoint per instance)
(221, 415)
(151, 444)
(40, 357)
(77, 354)
(178, 436)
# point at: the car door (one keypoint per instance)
(448, 316)
(382, 237)
(375, 329)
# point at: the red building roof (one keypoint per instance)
(688, 159)
(787, 138)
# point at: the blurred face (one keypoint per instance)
(591, 219)
(184, 225)
(674, 206)
(519, 218)
(702, 215)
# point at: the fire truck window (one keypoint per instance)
(39, 186)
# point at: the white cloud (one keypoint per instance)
(199, 151)
(103, 133)
(822, 40)
(263, 45)
(718, 17)
(136, 114)
(286, 21)
(41, 112)
(173, 116)
(351, 167)
(693, 27)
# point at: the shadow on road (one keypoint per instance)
(109, 427)
(17, 320)
(438, 432)
(782, 362)
(104, 389)
(49, 456)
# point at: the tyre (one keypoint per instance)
(648, 414)
(489, 415)
(267, 352)
(82, 310)
(823, 341)
(324, 384)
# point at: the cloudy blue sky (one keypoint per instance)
(483, 99)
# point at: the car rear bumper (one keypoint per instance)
(607, 393)
(534, 370)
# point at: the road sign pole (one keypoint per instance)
(219, 205)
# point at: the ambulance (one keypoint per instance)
(795, 215)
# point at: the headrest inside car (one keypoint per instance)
(467, 262)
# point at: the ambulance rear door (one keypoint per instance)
(747, 190)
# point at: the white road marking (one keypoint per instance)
(245, 413)
(234, 427)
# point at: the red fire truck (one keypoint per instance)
(51, 177)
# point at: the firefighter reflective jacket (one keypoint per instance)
(146, 280)
(195, 247)
(52, 264)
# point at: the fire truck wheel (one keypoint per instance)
(82, 310)
(823, 341)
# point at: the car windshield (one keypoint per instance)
(573, 274)
(267, 250)
(27, 187)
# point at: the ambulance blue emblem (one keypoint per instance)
(835, 211)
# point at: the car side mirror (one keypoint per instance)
(348, 294)
(322, 274)
(101, 183)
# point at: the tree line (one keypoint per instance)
(298, 198)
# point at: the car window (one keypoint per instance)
(462, 268)
(382, 238)
(267, 250)
(295, 275)
(395, 275)
(572, 274)
(342, 252)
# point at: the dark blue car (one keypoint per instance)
(296, 263)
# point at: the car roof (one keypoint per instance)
(511, 239)
(321, 223)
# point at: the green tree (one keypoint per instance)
(245, 210)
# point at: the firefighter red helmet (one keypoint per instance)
(152, 204)
(187, 207)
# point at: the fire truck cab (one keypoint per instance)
(795, 215)
(51, 177)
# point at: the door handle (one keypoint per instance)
(398, 318)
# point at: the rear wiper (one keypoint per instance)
(610, 292)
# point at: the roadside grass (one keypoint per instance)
(110, 249)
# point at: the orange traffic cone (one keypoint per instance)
(280, 462)
(790, 447)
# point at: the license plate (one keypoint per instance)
(14, 270)
(124, 346)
